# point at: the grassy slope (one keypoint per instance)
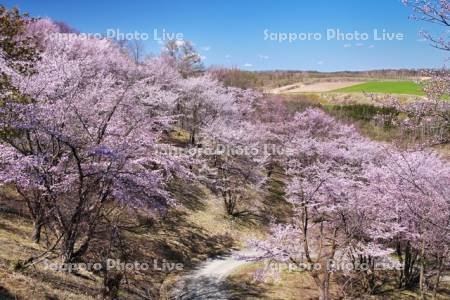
(294, 285)
(190, 233)
(35, 282)
(196, 231)
(385, 87)
(288, 286)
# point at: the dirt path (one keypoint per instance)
(208, 281)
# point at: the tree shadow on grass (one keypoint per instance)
(176, 240)
(5, 295)
(243, 290)
(275, 204)
(182, 241)
(190, 196)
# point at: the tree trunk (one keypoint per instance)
(323, 284)
(229, 202)
(36, 235)
(409, 274)
(324, 292)
(192, 137)
(438, 277)
(111, 285)
(422, 272)
(68, 247)
(402, 271)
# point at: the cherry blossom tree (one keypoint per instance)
(433, 11)
(82, 127)
(19, 51)
(427, 117)
(358, 201)
(184, 57)
(202, 100)
(334, 219)
(239, 158)
(433, 112)
(416, 184)
(86, 136)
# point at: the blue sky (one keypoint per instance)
(232, 32)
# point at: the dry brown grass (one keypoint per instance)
(289, 286)
(299, 285)
(217, 223)
(187, 234)
(36, 282)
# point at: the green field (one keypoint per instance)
(385, 87)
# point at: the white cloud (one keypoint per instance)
(228, 56)
(347, 45)
(202, 57)
(206, 48)
(248, 65)
(371, 46)
(359, 44)
(320, 62)
(263, 56)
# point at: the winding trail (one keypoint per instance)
(208, 280)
